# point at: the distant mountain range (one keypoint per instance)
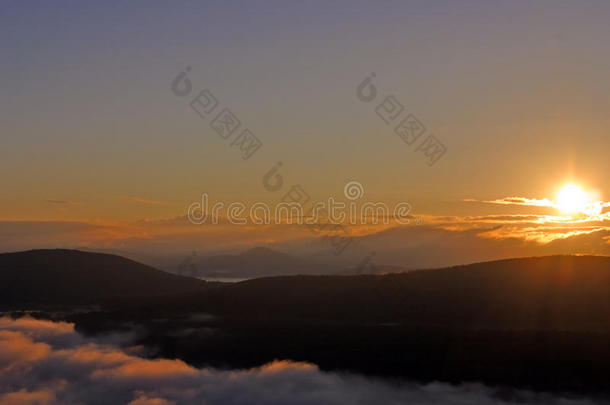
(256, 262)
(264, 262)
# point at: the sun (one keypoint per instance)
(572, 199)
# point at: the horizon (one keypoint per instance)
(124, 137)
(285, 202)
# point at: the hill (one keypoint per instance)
(553, 292)
(536, 323)
(69, 277)
(568, 293)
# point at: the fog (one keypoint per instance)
(46, 363)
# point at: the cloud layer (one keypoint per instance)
(48, 363)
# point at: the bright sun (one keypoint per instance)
(571, 199)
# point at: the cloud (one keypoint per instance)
(97, 373)
(62, 202)
(144, 201)
(36, 327)
(24, 397)
(530, 202)
(439, 241)
(460, 242)
(151, 369)
(17, 350)
(144, 400)
(505, 218)
(592, 208)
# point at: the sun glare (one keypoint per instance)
(572, 199)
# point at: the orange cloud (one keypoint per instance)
(144, 400)
(144, 201)
(17, 349)
(92, 354)
(143, 368)
(44, 376)
(35, 327)
(24, 397)
(530, 202)
(62, 202)
(279, 366)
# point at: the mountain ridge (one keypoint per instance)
(63, 276)
(548, 292)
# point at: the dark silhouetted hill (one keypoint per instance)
(66, 277)
(536, 323)
(568, 293)
(550, 293)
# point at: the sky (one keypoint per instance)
(97, 150)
